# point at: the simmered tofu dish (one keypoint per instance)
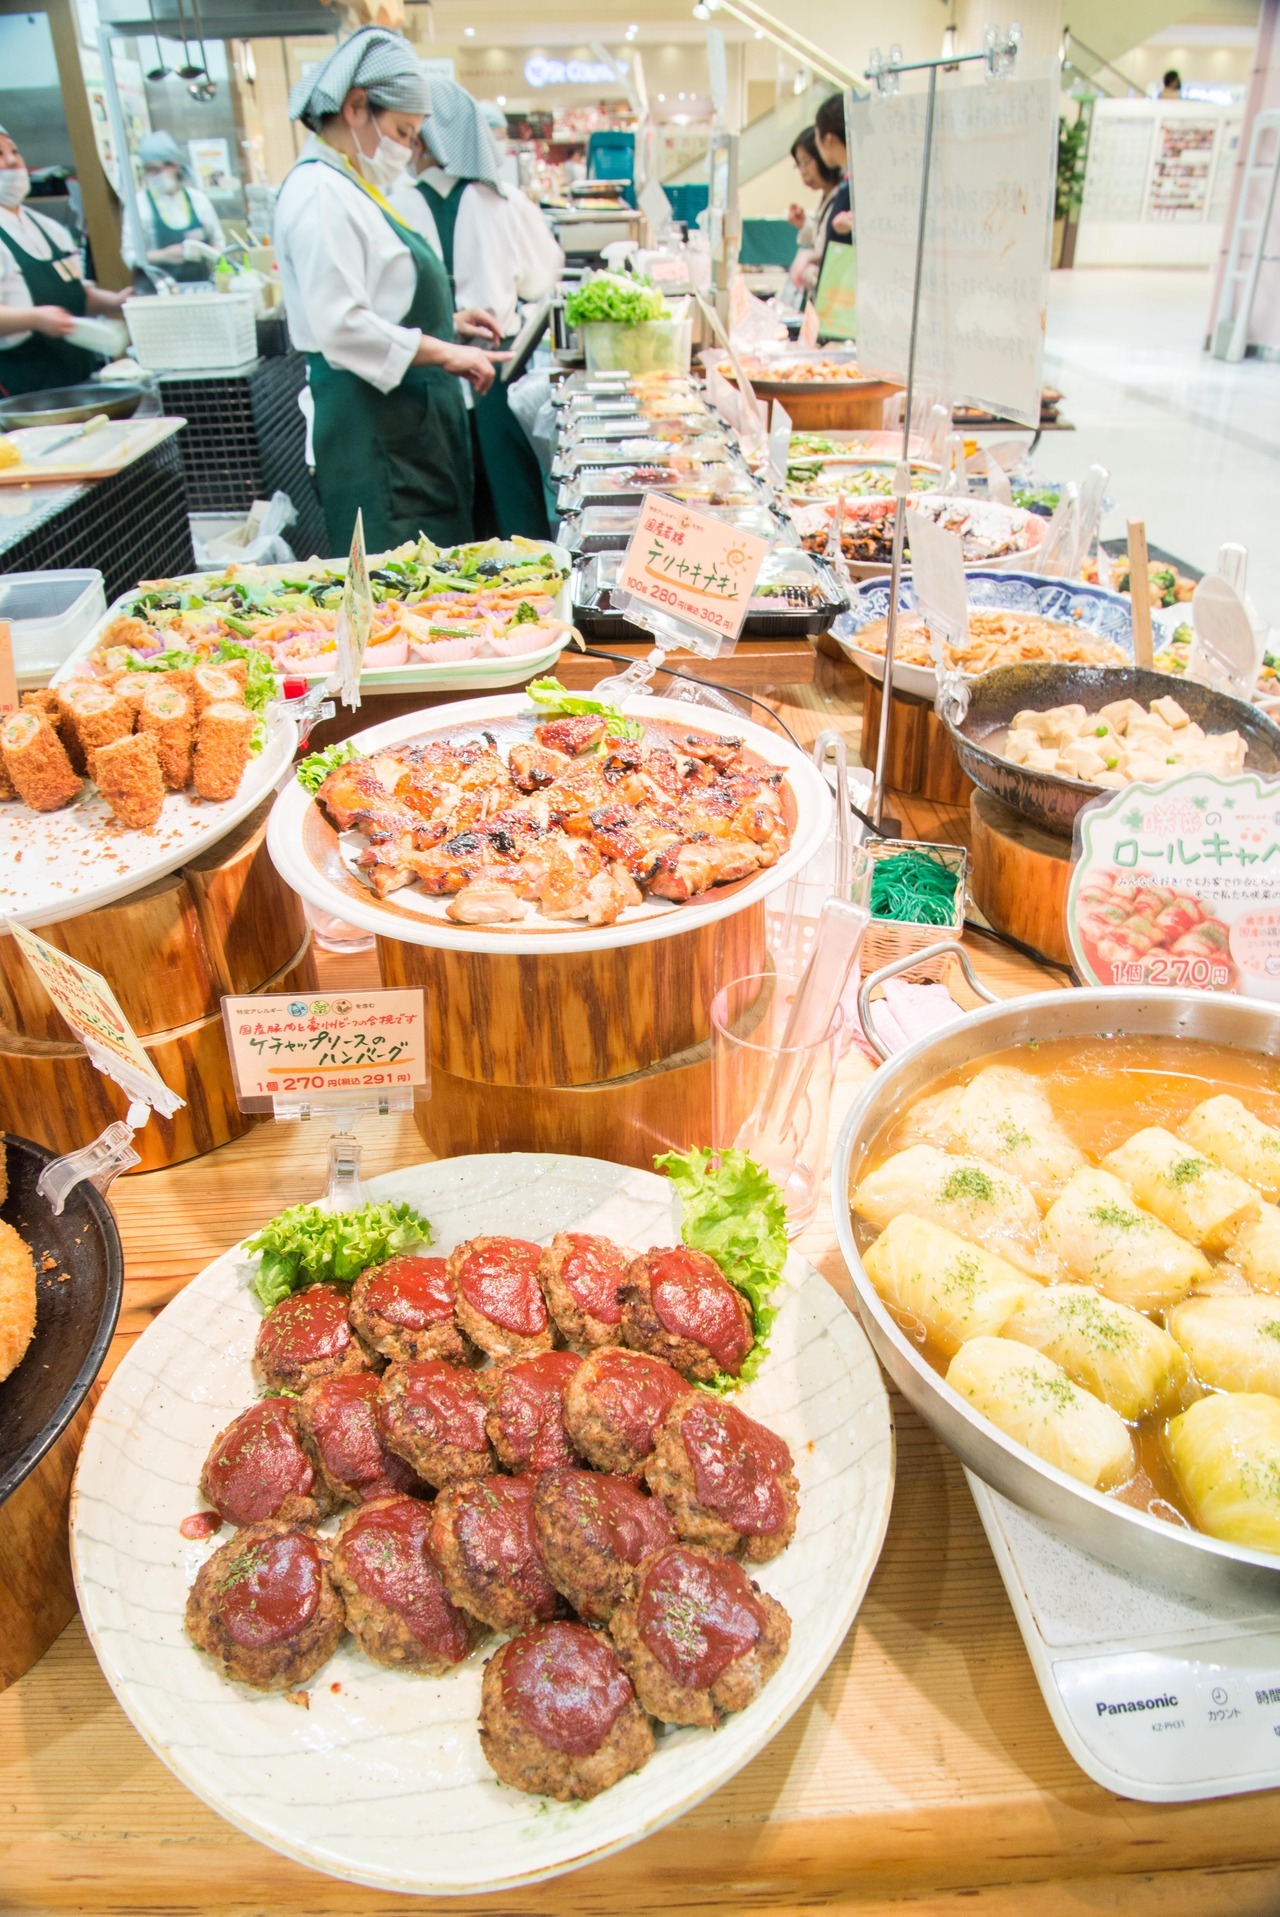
(1121, 742)
(1084, 1239)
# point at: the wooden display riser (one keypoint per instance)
(922, 758)
(1019, 877)
(224, 922)
(35, 1559)
(606, 1053)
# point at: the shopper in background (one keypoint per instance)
(829, 132)
(497, 250)
(1171, 85)
(817, 177)
(173, 211)
(43, 291)
(369, 304)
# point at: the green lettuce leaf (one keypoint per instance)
(731, 1209)
(558, 703)
(309, 1245)
(314, 770)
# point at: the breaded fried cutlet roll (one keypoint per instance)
(4, 1171)
(70, 694)
(127, 774)
(215, 685)
(37, 763)
(8, 790)
(42, 699)
(223, 736)
(100, 718)
(166, 716)
(134, 686)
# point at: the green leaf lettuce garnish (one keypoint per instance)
(315, 769)
(309, 1245)
(558, 703)
(615, 296)
(731, 1209)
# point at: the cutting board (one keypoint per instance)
(106, 450)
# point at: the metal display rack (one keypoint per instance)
(132, 526)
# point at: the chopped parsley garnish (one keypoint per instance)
(969, 1183)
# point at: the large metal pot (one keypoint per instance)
(1147, 1547)
(71, 405)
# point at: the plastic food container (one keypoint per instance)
(49, 613)
(651, 346)
(177, 332)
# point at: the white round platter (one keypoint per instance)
(320, 864)
(381, 1781)
(56, 865)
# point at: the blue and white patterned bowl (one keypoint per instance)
(1091, 608)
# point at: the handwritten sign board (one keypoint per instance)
(698, 571)
(985, 284)
(290, 1044)
(1178, 884)
(84, 999)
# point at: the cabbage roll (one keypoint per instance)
(1255, 1249)
(1115, 1353)
(952, 1288)
(1225, 1453)
(1107, 1241)
(1033, 1401)
(1224, 1129)
(1201, 1201)
(974, 1200)
(1233, 1343)
(1005, 1118)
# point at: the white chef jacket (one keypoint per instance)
(348, 280)
(503, 249)
(31, 230)
(172, 209)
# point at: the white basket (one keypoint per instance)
(183, 331)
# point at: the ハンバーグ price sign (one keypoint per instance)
(698, 570)
(287, 1044)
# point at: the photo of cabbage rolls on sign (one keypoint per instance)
(985, 283)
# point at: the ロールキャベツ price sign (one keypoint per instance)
(698, 572)
(1178, 885)
(293, 1045)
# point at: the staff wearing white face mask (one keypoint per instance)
(43, 291)
(369, 304)
(173, 211)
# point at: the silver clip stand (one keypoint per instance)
(999, 56)
(344, 1190)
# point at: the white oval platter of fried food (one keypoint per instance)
(490, 827)
(375, 1773)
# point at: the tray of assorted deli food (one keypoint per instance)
(712, 483)
(548, 823)
(464, 617)
(609, 528)
(542, 1492)
(991, 536)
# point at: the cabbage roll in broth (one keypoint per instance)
(972, 1199)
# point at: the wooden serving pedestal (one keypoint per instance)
(843, 409)
(35, 1561)
(604, 1053)
(1019, 875)
(224, 922)
(922, 759)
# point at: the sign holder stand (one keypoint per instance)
(344, 1188)
(999, 57)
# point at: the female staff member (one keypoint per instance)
(497, 250)
(369, 304)
(172, 211)
(818, 177)
(43, 292)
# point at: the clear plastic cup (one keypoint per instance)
(769, 1099)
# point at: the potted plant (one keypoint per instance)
(1073, 147)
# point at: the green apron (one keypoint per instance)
(403, 458)
(510, 463)
(39, 363)
(166, 236)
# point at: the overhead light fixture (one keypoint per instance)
(662, 98)
(758, 34)
(702, 11)
(502, 99)
(950, 42)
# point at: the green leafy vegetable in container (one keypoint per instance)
(617, 297)
(309, 1245)
(731, 1209)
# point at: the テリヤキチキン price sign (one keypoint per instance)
(699, 573)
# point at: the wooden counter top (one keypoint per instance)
(924, 1773)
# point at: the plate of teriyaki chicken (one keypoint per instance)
(492, 826)
(464, 1538)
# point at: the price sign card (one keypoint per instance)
(292, 1045)
(87, 1003)
(700, 572)
(355, 618)
(779, 443)
(1178, 884)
